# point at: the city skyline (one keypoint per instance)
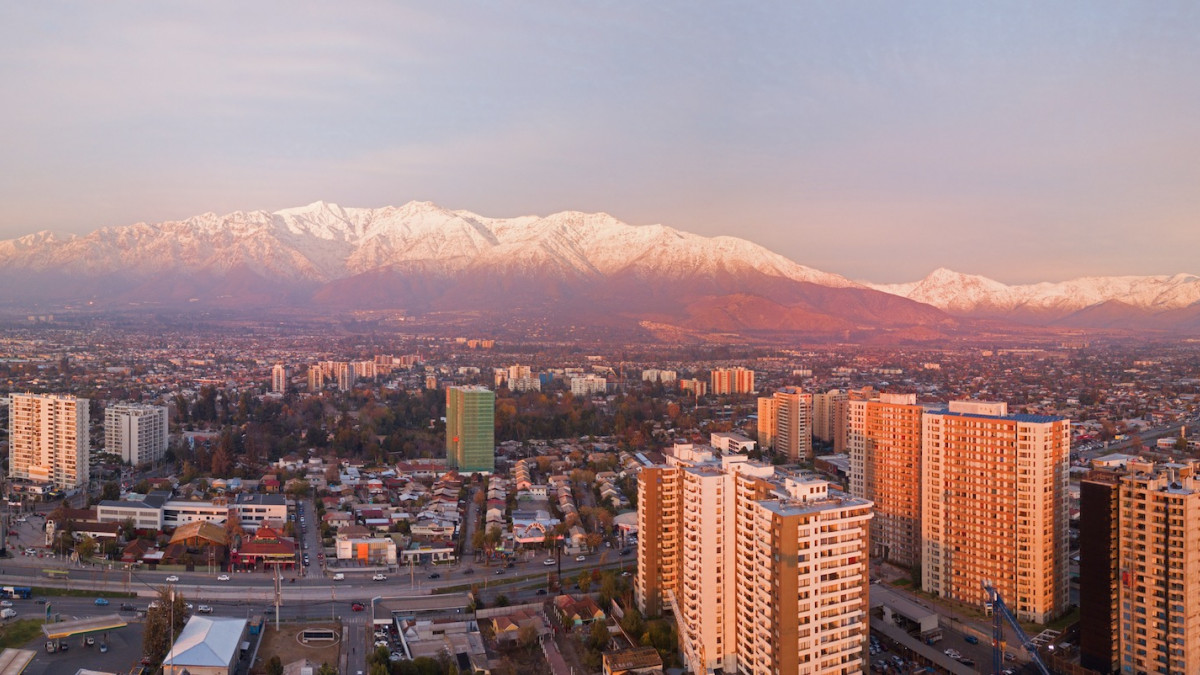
(877, 142)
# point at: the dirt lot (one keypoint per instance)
(285, 644)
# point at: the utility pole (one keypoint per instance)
(278, 595)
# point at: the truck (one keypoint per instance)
(7, 613)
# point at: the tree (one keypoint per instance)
(327, 669)
(275, 666)
(86, 548)
(160, 632)
(584, 581)
(632, 622)
(527, 635)
(110, 492)
(598, 637)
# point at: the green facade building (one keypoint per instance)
(471, 429)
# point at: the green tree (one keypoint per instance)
(585, 581)
(160, 632)
(598, 637)
(275, 665)
(86, 548)
(327, 669)
(110, 492)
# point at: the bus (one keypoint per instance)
(57, 574)
(16, 592)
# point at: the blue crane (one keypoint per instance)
(1000, 614)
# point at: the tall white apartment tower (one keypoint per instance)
(793, 424)
(48, 439)
(138, 433)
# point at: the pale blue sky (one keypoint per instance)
(1022, 141)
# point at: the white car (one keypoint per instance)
(382, 643)
(379, 577)
(548, 562)
(580, 558)
(204, 609)
(6, 603)
(339, 576)
(172, 579)
(223, 577)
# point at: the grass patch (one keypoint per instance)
(80, 593)
(903, 582)
(18, 633)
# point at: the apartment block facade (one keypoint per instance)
(471, 429)
(48, 439)
(884, 441)
(138, 433)
(793, 424)
(764, 572)
(732, 381)
(829, 418)
(994, 507)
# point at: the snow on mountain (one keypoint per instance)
(971, 294)
(323, 242)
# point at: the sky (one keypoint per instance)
(1024, 141)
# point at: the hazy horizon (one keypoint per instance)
(1023, 143)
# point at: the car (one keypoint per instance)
(395, 656)
(971, 639)
(382, 643)
(510, 565)
(548, 562)
(435, 575)
(379, 577)
(127, 607)
(101, 602)
(580, 558)
(469, 570)
(625, 551)
(223, 577)
(625, 574)
(970, 663)
(188, 606)
(500, 571)
(357, 607)
(6, 603)
(89, 641)
(40, 601)
(541, 591)
(30, 551)
(103, 647)
(172, 579)
(339, 577)
(204, 609)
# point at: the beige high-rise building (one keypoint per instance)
(279, 378)
(829, 418)
(138, 433)
(316, 378)
(732, 381)
(884, 441)
(48, 439)
(764, 573)
(793, 424)
(1158, 535)
(766, 422)
(994, 507)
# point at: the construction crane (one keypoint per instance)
(1000, 614)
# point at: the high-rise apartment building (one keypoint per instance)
(48, 439)
(766, 422)
(279, 378)
(1099, 521)
(138, 433)
(764, 572)
(829, 418)
(994, 507)
(316, 378)
(793, 424)
(732, 381)
(588, 385)
(471, 429)
(884, 441)
(1158, 560)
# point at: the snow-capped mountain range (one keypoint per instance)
(420, 257)
(967, 293)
